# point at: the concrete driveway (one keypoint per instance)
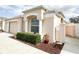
(71, 46)
(9, 45)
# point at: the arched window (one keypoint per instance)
(35, 25)
(61, 20)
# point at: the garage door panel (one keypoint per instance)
(13, 27)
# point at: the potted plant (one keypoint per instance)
(46, 39)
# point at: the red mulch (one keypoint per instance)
(50, 48)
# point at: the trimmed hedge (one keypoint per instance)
(29, 37)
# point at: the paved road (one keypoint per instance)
(9, 45)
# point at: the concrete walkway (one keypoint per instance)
(9, 45)
(71, 46)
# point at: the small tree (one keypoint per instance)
(74, 19)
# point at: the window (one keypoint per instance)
(35, 25)
(61, 20)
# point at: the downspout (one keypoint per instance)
(9, 27)
(22, 24)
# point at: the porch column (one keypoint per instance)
(25, 24)
(19, 26)
(54, 35)
(8, 27)
(40, 28)
(3, 26)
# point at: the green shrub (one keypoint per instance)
(29, 37)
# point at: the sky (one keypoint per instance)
(70, 11)
(14, 10)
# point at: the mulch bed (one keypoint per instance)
(50, 48)
(1, 31)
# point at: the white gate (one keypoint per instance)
(77, 30)
(60, 33)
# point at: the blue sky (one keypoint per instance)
(14, 10)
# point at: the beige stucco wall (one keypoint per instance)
(17, 26)
(48, 26)
(2, 24)
(36, 13)
(50, 23)
(39, 13)
(57, 22)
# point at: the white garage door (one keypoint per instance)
(0, 25)
(13, 27)
(7, 26)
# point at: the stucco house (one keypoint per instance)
(37, 20)
(41, 20)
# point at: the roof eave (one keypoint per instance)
(38, 7)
